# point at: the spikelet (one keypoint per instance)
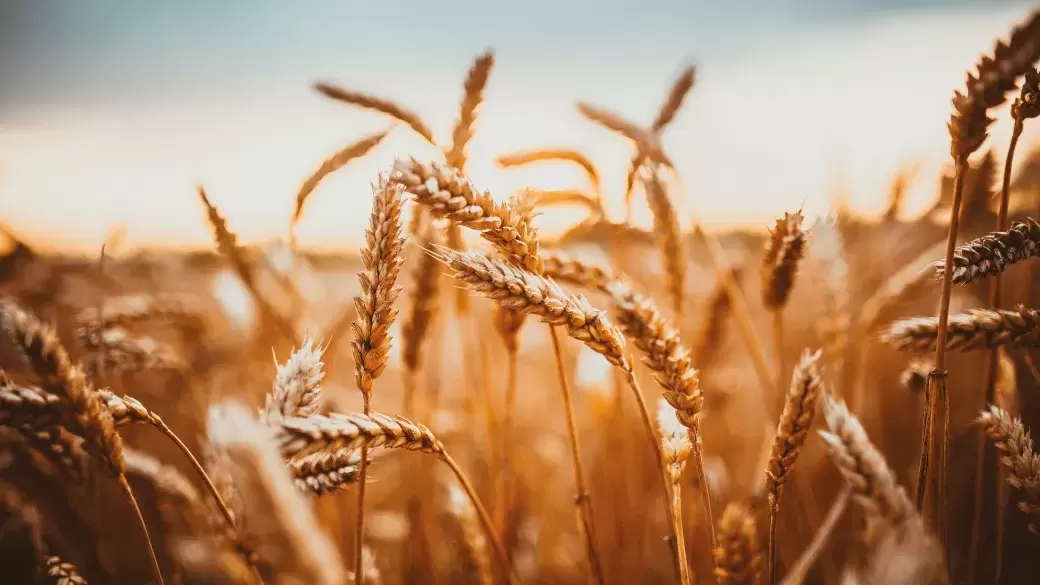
(277, 523)
(447, 193)
(518, 289)
(296, 390)
(793, 429)
(988, 88)
(993, 253)
(738, 555)
(784, 251)
(974, 329)
(675, 441)
(1027, 104)
(62, 573)
(326, 471)
(375, 305)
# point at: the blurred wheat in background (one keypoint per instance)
(830, 398)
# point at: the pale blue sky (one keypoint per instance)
(112, 110)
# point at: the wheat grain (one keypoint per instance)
(326, 471)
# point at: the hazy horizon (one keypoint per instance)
(113, 111)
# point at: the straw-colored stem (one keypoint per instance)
(359, 533)
(939, 400)
(583, 501)
(666, 482)
(201, 471)
(485, 519)
(778, 347)
(680, 538)
(144, 528)
(744, 321)
(797, 574)
(986, 464)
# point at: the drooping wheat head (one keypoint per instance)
(993, 253)
(974, 329)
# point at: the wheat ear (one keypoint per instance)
(473, 96)
(791, 432)
(1019, 459)
(61, 573)
(296, 390)
(380, 105)
(1026, 106)
(423, 303)
(328, 166)
(974, 329)
(738, 555)
(669, 238)
(675, 449)
(86, 414)
(556, 154)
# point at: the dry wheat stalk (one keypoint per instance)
(296, 390)
(450, 194)
(380, 105)
(994, 253)
(784, 250)
(277, 523)
(864, 467)
(473, 96)
(669, 238)
(554, 154)
(328, 166)
(379, 290)
(476, 561)
(1019, 459)
(738, 556)
(791, 432)
(799, 571)
(227, 245)
(62, 573)
(518, 289)
(127, 310)
(974, 329)
(326, 471)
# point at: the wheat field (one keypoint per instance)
(462, 400)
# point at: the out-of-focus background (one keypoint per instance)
(110, 111)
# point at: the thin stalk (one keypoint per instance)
(583, 500)
(938, 399)
(680, 539)
(678, 551)
(986, 460)
(359, 533)
(144, 528)
(410, 384)
(201, 471)
(744, 321)
(800, 570)
(490, 419)
(505, 473)
(485, 518)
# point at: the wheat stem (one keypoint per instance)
(144, 527)
(797, 574)
(583, 501)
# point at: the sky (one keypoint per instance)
(112, 111)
